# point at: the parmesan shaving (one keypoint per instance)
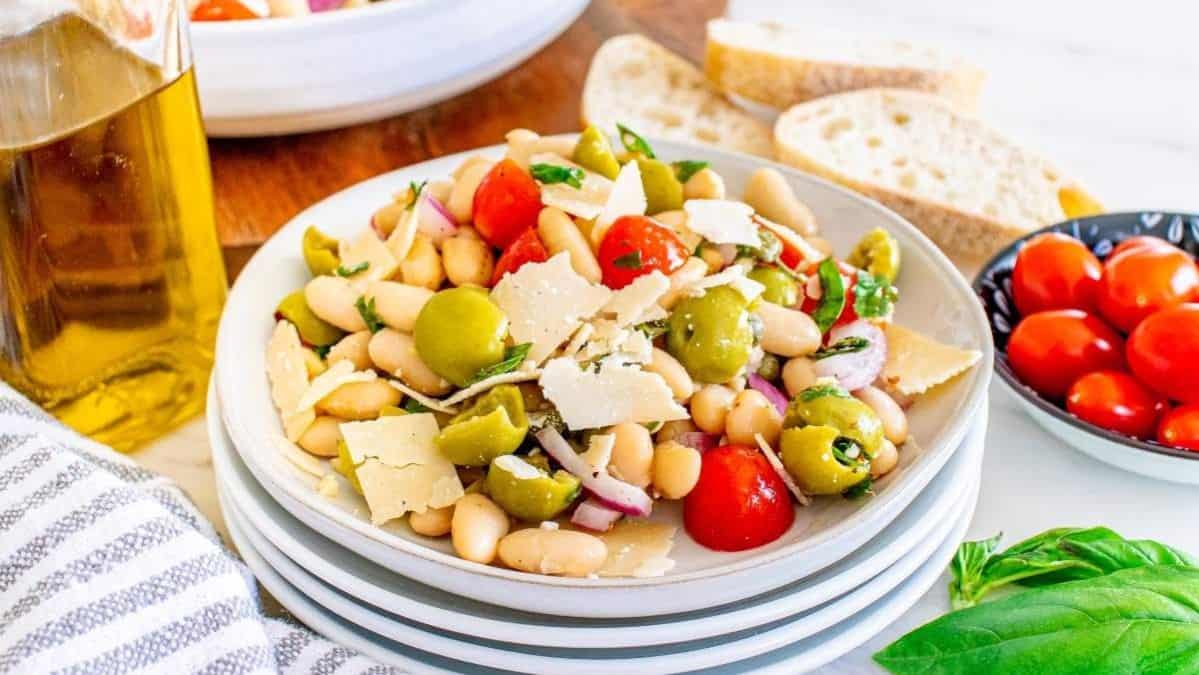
(777, 465)
(586, 201)
(369, 249)
(286, 367)
(587, 399)
(300, 459)
(493, 381)
(916, 363)
(627, 198)
(733, 276)
(630, 303)
(430, 403)
(722, 221)
(638, 548)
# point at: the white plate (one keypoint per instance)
(334, 69)
(790, 646)
(823, 533)
(395, 594)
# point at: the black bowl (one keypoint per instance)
(1101, 233)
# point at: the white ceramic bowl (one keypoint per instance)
(337, 68)
(938, 302)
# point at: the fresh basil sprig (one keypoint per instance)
(343, 271)
(820, 391)
(633, 142)
(873, 295)
(553, 173)
(414, 190)
(685, 169)
(366, 309)
(832, 300)
(513, 357)
(846, 345)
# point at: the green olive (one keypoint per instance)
(527, 492)
(344, 464)
(711, 334)
(594, 153)
(313, 330)
(459, 331)
(781, 288)
(494, 425)
(663, 191)
(830, 406)
(808, 455)
(320, 252)
(770, 368)
(878, 253)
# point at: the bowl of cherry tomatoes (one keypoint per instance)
(1096, 329)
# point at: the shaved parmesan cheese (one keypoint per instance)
(430, 403)
(722, 221)
(579, 339)
(733, 276)
(546, 302)
(586, 201)
(587, 399)
(638, 548)
(627, 198)
(636, 348)
(399, 242)
(777, 465)
(369, 249)
(916, 363)
(634, 300)
(599, 451)
(286, 367)
(300, 459)
(493, 381)
(652, 313)
(398, 440)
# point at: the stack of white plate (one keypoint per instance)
(842, 573)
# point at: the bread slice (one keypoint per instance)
(966, 186)
(657, 93)
(781, 66)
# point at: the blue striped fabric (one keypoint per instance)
(106, 567)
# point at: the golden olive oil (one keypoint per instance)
(111, 277)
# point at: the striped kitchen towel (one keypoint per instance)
(106, 567)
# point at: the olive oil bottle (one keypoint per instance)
(111, 277)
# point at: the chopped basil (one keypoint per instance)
(685, 169)
(552, 173)
(873, 296)
(513, 357)
(848, 345)
(820, 391)
(343, 271)
(634, 142)
(366, 309)
(628, 261)
(414, 190)
(832, 302)
(859, 490)
(414, 406)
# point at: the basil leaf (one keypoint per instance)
(859, 490)
(832, 301)
(366, 309)
(685, 169)
(322, 350)
(513, 357)
(343, 271)
(848, 345)
(628, 261)
(633, 142)
(821, 390)
(967, 568)
(414, 190)
(1140, 620)
(414, 406)
(873, 296)
(552, 173)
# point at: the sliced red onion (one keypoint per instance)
(593, 515)
(698, 440)
(858, 369)
(435, 220)
(615, 494)
(771, 392)
(324, 5)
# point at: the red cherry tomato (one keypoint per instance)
(1050, 350)
(526, 248)
(848, 313)
(1179, 428)
(506, 204)
(739, 501)
(1143, 279)
(221, 10)
(636, 245)
(1138, 241)
(1055, 271)
(1163, 351)
(1115, 401)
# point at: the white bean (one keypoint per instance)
(467, 261)
(477, 527)
(692, 271)
(422, 267)
(884, 460)
(632, 454)
(394, 352)
(768, 192)
(360, 400)
(352, 348)
(398, 304)
(333, 300)
(710, 407)
(752, 413)
(433, 522)
(895, 421)
(384, 220)
(462, 197)
(799, 373)
(676, 469)
(704, 184)
(321, 437)
(787, 332)
(567, 553)
(673, 372)
(559, 233)
(523, 144)
(466, 164)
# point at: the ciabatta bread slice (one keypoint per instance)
(966, 186)
(781, 66)
(657, 93)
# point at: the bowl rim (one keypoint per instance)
(314, 20)
(1004, 370)
(954, 429)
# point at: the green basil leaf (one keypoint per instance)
(414, 190)
(967, 568)
(343, 271)
(513, 357)
(859, 490)
(634, 142)
(873, 296)
(366, 309)
(821, 390)
(414, 406)
(685, 169)
(552, 173)
(832, 300)
(628, 261)
(1139, 620)
(848, 345)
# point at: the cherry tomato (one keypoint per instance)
(1163, 351)
(739, 502)
(1138, 241)
(1050, 350)
(506, 204)
(848, 313)
(1143, 279)
(1179, 428)
(1055, 271)
(221, 10)
(526, 248)
(636, 245)
(1115, 401)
